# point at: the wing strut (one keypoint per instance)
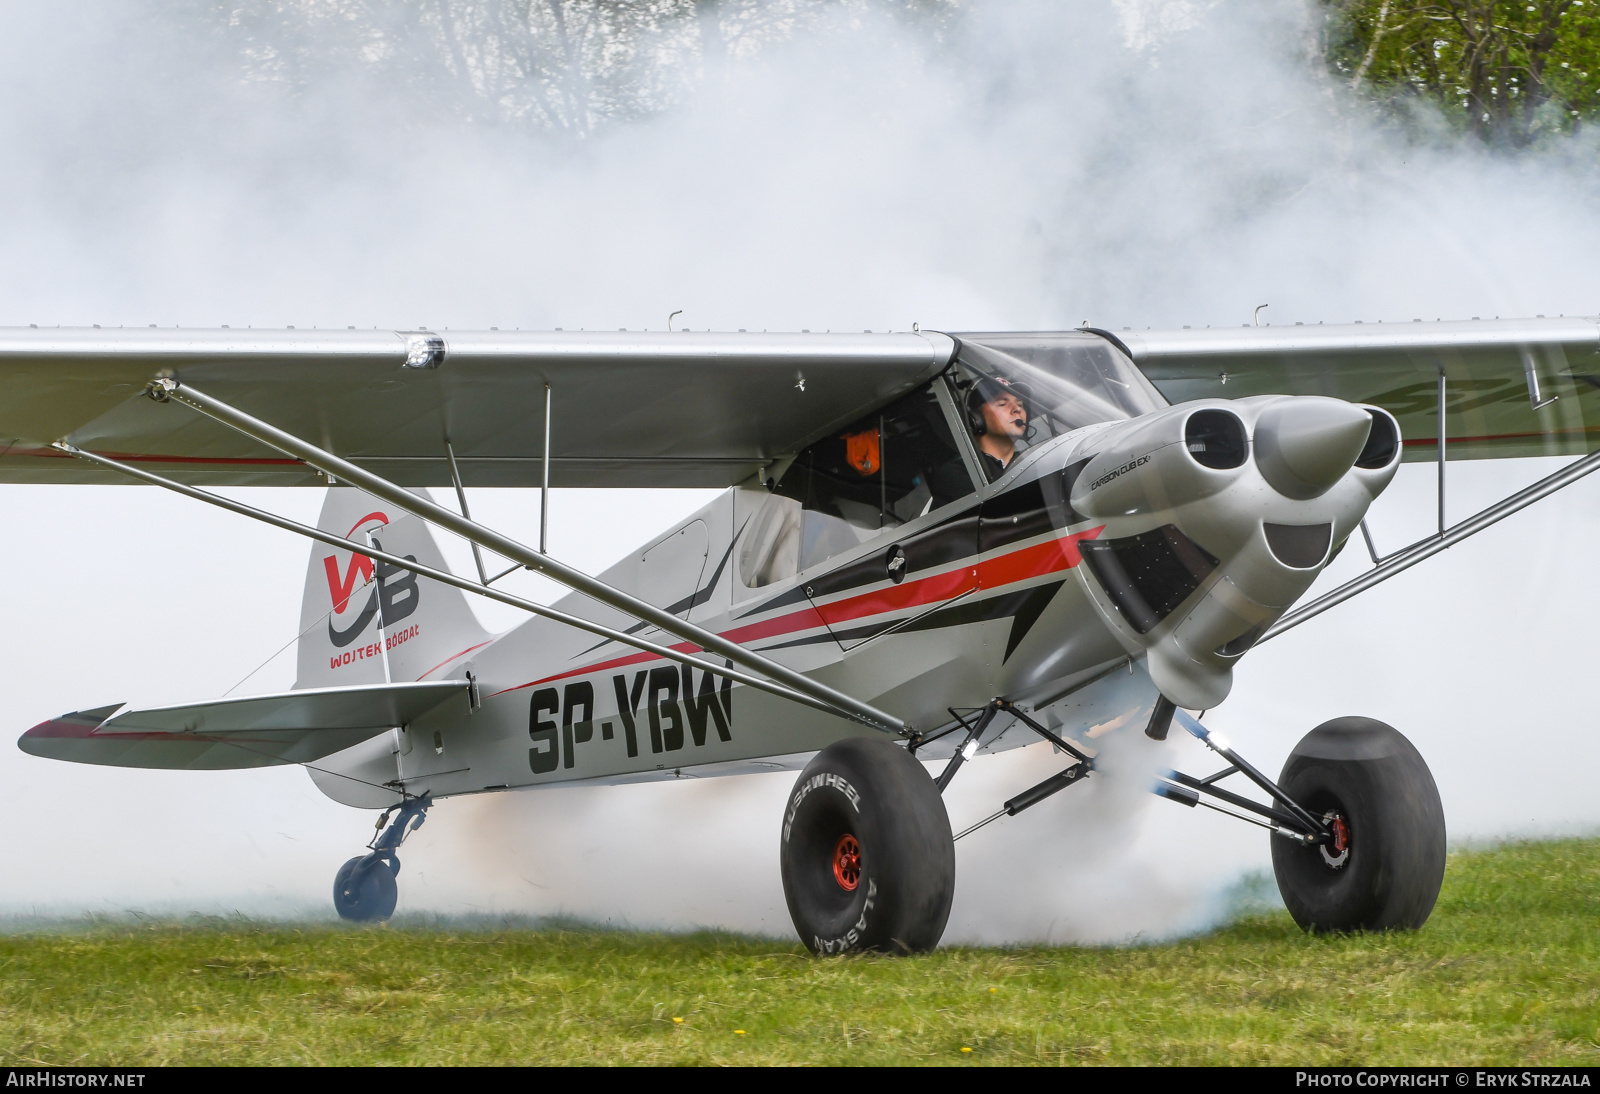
(461, 498)
(1390, 565)
(450, 579)
(329, 464)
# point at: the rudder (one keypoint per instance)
(363, 621)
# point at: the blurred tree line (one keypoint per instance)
(563, 66)
(1509, 72)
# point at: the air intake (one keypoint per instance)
(1216, 439)
(1300, 546)
(1382, 442)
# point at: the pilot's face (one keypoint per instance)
(1005, 416)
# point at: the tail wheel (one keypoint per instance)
(868, 861)
(1382, 867)
(364, 889)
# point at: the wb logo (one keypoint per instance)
(395, 597)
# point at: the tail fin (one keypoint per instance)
(364, 622)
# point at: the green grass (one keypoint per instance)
(1506, 972)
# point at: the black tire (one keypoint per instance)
(879, 796)
(364, 890)
(1387, 874)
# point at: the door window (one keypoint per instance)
(884, 470)
(1016, 391)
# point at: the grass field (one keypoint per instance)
(1506, 972)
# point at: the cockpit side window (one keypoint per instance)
(884, 470)
(1016, 391)
(1001, 416)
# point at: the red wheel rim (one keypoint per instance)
(1336, 851)
(847, 863)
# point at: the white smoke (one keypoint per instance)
(1128, 163)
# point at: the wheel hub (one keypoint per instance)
(1336, 849)
(847, 863)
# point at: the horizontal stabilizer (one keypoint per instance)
(255, 731)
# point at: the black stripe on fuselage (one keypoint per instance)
(693, 600)
(1030, 509)
(1024, 607)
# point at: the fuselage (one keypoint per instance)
(986, 595)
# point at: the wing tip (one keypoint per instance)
(74, 724)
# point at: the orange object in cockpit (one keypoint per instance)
(861, 451)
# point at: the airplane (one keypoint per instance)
(928, 546)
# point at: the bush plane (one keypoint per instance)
(928, 546)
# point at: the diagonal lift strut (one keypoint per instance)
(444, 577)
(848, 706)
(1388, 566)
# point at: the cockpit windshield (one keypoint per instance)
(1062, 380)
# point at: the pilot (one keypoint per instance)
(998, 412)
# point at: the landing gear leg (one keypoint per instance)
(364, 889)
(1358, 829)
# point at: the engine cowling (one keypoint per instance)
(1218, 516)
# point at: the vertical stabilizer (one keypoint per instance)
(364, 622)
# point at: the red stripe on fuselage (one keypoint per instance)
(912, 594)
(1020, 565)
(454, 657)
(1035, 561)
(615, 663)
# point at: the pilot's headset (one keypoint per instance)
(990, 387)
